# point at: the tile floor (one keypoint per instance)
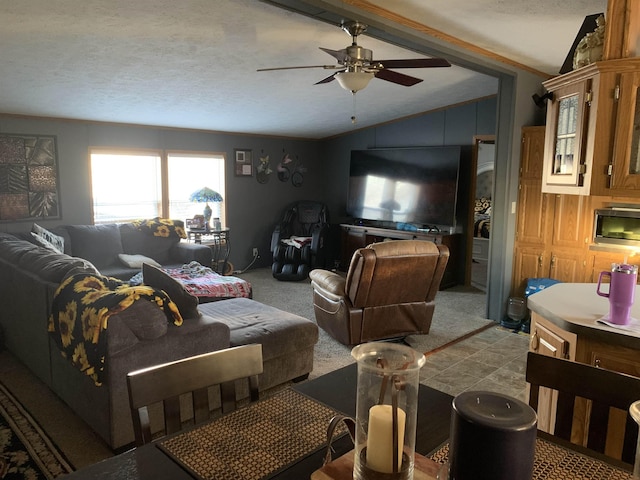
(492, 360)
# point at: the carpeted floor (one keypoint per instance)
(459, 311)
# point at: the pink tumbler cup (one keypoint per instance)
(622, 287)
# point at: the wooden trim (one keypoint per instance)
(440, 35)
(622, 29)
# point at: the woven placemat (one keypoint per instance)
(553, 462)
(254, 442)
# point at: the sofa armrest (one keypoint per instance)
(329, 284)
(188, 252)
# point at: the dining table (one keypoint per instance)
(293, 415)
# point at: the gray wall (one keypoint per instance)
(453, 126)
(252, 208)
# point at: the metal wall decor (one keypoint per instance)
(284, 173)
(288, 169)
(263, 169)
(28, 177)
(297, 177)
(243, 163)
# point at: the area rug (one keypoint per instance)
(25, 450)
(459, 312)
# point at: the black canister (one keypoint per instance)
(493, 437)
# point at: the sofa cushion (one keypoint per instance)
(136, 241)
(57, 269)
(51, 266)
(143, 318)
(187, 304)
(100, 244)
(47, 239)
(280, 333)
(136, 261)
(13, 250)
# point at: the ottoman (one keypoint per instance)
(287, 340)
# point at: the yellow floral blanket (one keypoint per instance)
(161, 227)
(80, 313)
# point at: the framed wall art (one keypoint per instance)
(28, 177)
(244, 163)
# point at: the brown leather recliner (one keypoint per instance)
(388, 293)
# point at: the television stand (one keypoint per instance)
(359, 236)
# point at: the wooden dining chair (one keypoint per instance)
(610, 394)
(167, 382)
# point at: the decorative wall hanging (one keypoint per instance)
(298, 174)
(284, 173)
(263, 169)
(244, 164)
(28, 177)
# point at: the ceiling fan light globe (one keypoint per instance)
(354, 81)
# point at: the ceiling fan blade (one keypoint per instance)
(330, 78)
(326, 67)
(340, 55)
(395, 77)
(414, 63)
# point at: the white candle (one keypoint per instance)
(380, 438)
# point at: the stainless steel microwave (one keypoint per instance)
(617, 225)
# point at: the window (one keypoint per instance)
(125, 186)
(190, 172)
(129, 185)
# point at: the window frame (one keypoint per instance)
(164, 208)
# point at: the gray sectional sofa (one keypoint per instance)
(140, 335)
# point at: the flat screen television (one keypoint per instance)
(409, 185)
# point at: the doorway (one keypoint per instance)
(479, 237)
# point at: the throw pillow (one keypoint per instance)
(136, 261)
(187, 304)
(482, 204)
(56, 241)
(43, 242)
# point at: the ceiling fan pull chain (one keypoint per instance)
(354, 119)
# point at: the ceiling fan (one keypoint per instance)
(356, 66)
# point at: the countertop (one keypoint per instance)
(576, 307)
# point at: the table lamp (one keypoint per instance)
(206, 195)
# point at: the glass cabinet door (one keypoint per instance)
(566, 135)
(626, 158)
(567, 116)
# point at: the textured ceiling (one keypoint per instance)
(192, 63)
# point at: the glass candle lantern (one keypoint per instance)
(386, 410)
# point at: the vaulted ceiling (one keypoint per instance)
(192, 63)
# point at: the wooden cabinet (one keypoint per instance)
(561, 253)
(532, 152)
(551, 229)
(625, 169)
(359, 236)
(592, 122)
(601, 261)
(548, 339)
